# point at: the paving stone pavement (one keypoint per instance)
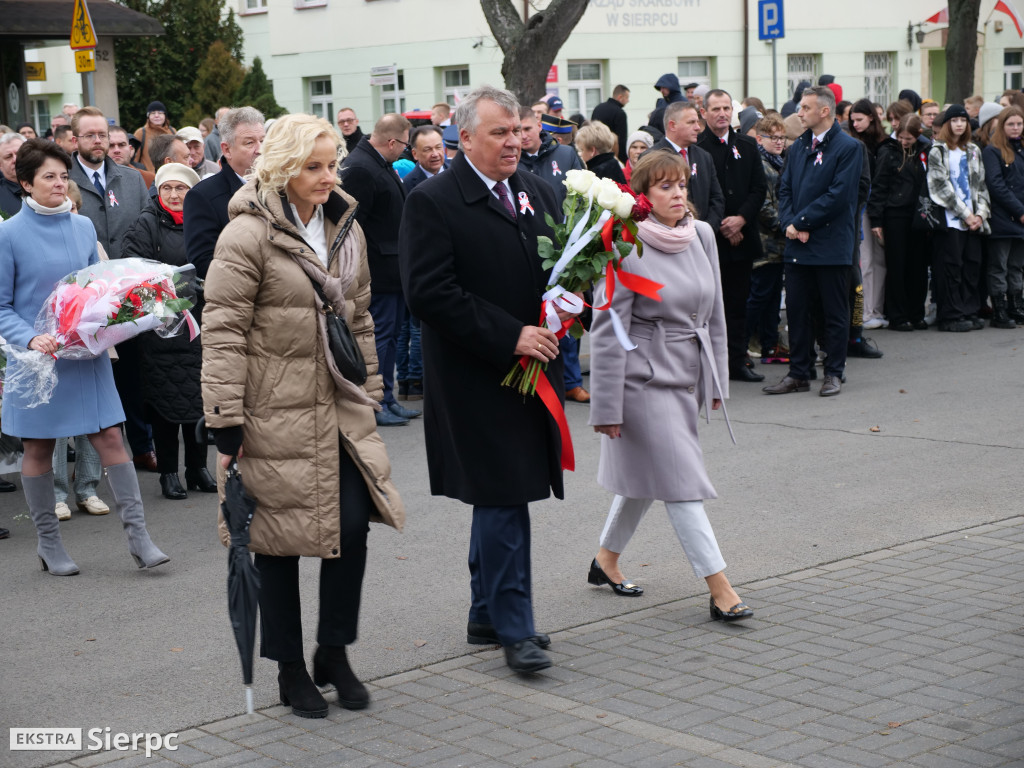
(907, 656)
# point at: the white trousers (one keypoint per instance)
(691, 524)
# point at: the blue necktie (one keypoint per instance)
(96, 183)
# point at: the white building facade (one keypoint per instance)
(378, 56)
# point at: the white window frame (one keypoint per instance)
(324, 100)
(794, 76)
(691, 78)
(876, 70)
(454, 93)
(251, 7)
(39, 118)
(1011, 71)
(579, 88)
(388, 93)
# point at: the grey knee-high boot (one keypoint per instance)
(124, 485)
(41, 501)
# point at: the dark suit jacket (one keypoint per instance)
(371, 180)
(741, 176)
(613, 115)
(115, 212)
(206, 215)
(704, 190)
(473, 277)
(416, 175)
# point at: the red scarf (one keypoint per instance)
(178, 216)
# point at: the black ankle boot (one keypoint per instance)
(171, 487)
(330, 665)
(1000, 317)
(200, 480)
(298, 691)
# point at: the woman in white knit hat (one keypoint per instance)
(171, 367)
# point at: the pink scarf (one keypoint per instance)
(667, 239)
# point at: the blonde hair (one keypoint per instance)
(288, 145)
(597, 136)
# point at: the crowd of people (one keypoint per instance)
(414, 238)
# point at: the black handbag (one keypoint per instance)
(344, 348)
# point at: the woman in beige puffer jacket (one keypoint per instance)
(308, 447)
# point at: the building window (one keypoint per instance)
(39, 114)
(321, 102)
(300, 4)
(878, 77)
(253, 6)
(456, 84)
(393, 99)
(801, 66)
(585, 84)
(1013, 69)
(695, 71)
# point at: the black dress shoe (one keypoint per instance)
(526, 657)
(743, 373)
(7, 487)
(863, 347)
(597, 577)
(330, 666)
(298, 691)
(905, 326)
(920, 325)
(787, 385)
(200, 480)
(170, 485)
(484, 634)
(737, 612)
(4, 533)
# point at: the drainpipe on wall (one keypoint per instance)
(746, 48)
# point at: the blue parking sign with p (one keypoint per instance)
(770, 25)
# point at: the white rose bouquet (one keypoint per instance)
(598, 232)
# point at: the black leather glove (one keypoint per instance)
(228, 439)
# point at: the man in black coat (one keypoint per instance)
(471, 272)
(683, 129)
(367, 175)
(741, 176)
(612, 114)
(348, 124)
(206, 204)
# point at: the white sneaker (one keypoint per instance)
(874, 323)
(94, 506)
(63, 511)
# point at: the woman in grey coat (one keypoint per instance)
(646, 402)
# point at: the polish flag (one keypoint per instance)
(1006, 7)
(942, 17)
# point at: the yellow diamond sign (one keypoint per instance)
(82, 33)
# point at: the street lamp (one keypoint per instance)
(912, 35)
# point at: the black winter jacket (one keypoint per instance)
(899, 179)
(607, 167)
(1006, 188)
(171, 367)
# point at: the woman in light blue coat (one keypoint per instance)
(38, 247)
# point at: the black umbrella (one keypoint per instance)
(243, 578)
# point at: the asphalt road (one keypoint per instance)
(809, 482)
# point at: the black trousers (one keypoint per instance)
(735, 292)
(128, 380)
(341, 580)
(957, 270)
(165, 443)
(906, 265)
(830, 286)
(500, 577)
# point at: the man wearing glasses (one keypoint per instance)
(112, 199)
(368, 176)
(348, 124)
